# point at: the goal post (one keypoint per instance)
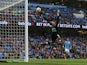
(13, 36)
(26, 30)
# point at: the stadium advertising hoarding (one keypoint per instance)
(48, 25)
(3, 22)
(84, 27)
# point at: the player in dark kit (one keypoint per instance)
(55, 30)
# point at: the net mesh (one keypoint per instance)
(11, 33)
(8, 3)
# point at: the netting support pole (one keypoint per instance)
(26, 31)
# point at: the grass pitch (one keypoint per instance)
(50, 62)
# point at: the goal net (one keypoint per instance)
(13, 36)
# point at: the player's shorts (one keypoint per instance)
(67, 50)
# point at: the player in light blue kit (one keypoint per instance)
(67, 45)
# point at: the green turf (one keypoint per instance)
(50, 62)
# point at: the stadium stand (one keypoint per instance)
(40, 46)
(49, 12)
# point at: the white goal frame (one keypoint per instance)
(26, 30)
(26, 59)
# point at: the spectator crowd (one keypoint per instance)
(49, 13)
(42, 47)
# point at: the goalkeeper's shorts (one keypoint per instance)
(54, 36)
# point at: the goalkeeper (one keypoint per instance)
(55, 30)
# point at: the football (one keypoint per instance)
(38, 9)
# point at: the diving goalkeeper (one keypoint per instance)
(55, 30)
